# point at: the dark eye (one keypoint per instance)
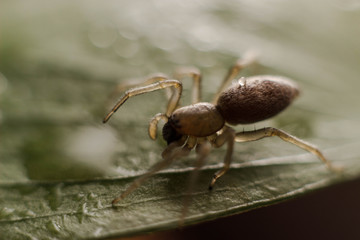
(170, 134)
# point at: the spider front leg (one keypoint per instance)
(139, 83)
(202, 150)
(172, 152)
(154, 123)
(173, 101)
(270, 132)
(227, 136)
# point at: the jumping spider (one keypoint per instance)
(204, 125)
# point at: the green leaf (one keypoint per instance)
(82, 209)
(60, 167)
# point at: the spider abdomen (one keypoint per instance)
(198, 120)
(256, 98)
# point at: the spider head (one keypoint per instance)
(170, 134)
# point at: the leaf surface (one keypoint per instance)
(60, 167)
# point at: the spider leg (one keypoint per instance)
(202, 150)
(173, 101)
(249, 58)
(195, 74)
(138, 83)
(173, 152)
(270, 132)
(153, 124)
(227, 136)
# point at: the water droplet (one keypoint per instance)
(92, 196)
(80, 196)
(54, 197)
(84, 208)
(30, 213)
(82, 212)
(6, 213)
(99, 204)
(98, 231)
(53, 227)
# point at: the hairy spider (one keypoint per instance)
(202, 124)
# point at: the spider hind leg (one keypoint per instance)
(271, 132)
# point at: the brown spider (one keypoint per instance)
(202, 124)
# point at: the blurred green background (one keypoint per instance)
(60, 62)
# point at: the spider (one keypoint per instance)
(203, 125)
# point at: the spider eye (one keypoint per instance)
(170, 134)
